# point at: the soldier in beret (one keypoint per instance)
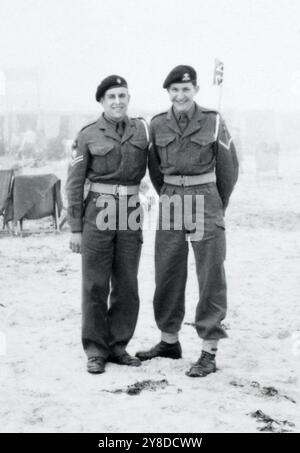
(111, 154)
(191, 154)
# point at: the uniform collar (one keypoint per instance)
(194, 123)
(109, 129)
(189, 113)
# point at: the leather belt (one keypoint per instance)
(191, 180)
(114, 189)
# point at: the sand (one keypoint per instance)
(44, 384)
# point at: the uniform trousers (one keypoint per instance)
(171, 259)
(110, 300)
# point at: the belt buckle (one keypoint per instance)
(182, 180)
(122, 191)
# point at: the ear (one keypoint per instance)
(197, 88)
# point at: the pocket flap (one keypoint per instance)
(202, 140)
(101, 150)
(164, 140)
(139, 142)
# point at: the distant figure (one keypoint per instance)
(67, 145)
(15, 144)
(41, 144)
(2, 147)
(276, 156)
(28, 145)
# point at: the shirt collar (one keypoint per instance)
(112, 122)
(189, 113)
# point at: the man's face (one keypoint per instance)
(115, 103)
(182, 95)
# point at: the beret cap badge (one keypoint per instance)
(186, 77)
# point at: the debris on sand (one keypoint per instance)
(261, 416)
(61, 269)
(138, 387)
(269, 392)
(236, 383)
(271, 424)
(64, 270)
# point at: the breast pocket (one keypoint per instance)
(139, 143)
(101, 150)
(138, 157)
(105, 158)
(166, 146)
(201, 149)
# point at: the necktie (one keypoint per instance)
(183, 121)
(120, 128)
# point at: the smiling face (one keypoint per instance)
(115, 103)
(182, 95)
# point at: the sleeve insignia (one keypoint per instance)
(226, 139)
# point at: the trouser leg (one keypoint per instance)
(97, 256)
(211, 308)
(124, 298)
(171, 253)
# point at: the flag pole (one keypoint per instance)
(220, 96)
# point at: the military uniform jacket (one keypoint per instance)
(100, 155)
(203, 147)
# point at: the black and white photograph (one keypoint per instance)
(149, 218)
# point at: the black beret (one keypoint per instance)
(181, 74)
(111, 81)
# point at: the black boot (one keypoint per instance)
(162, 349)
(125, 359)
(96, 365)
(205, 365)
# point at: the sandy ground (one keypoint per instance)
(44, 385)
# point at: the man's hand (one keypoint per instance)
(75, 242)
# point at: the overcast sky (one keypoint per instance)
(76, 43)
